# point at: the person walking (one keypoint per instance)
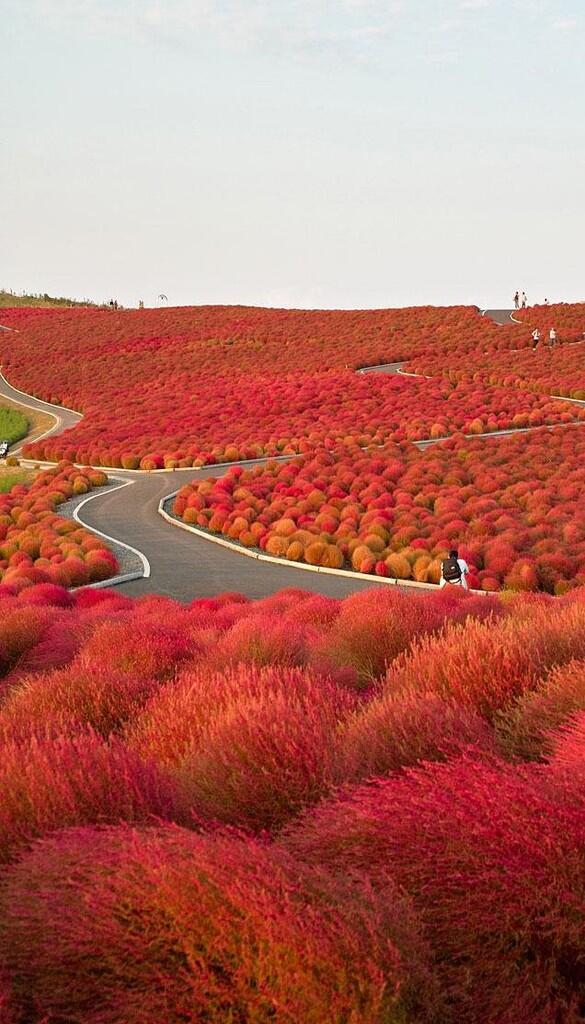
(524, 300)
(552, 337)
(454, 570)
(517, 300)
(535, 338)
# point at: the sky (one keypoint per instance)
(298, 153)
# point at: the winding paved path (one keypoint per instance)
(184, 566)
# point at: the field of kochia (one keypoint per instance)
(299, 810)
(197, 385)
(294, 809)
(514, 506)
(193, 386)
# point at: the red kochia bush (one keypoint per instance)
(495, 868)
(20, 630)
(523, 728)
(372, 628)
(68, 701)
(168, 926)
(485, 664)
(52, 783)
(137, 647)
(6, 1014)
(248, 746)
(568, 745)
(393, 732)
(259, 640)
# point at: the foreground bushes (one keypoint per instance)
(400, 862)
(248, 747)
(46, 784)
(494, 866)
(168, 926)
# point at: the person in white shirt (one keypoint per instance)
(552, 337)
(524, 300)
(454, 571)
(535, 338)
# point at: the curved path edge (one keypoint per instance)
(260, 556)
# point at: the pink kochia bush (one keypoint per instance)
(494, 866)
(164, 925)
(398, 863)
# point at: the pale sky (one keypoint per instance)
(312, 153)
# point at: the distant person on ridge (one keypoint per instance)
(517, 301)
(535, 338)
(524, 300)
(454, 570)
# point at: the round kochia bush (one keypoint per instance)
(164, 925)
(46, 784)
(524, 727)
(248, 746)
(513, 507)
(485, 665)
(494, 866)
(393, 732)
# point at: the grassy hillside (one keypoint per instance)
(9, 298)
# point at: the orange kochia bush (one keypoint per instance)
(514, 506)
(37, 545)
(213, 384)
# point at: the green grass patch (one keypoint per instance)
(8, 481)
(13, 424)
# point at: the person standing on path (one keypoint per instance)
(552, 337)
(535, 338)
(524, 300)
(517, 300)
(454, 570)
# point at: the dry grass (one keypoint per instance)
(10, 475)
